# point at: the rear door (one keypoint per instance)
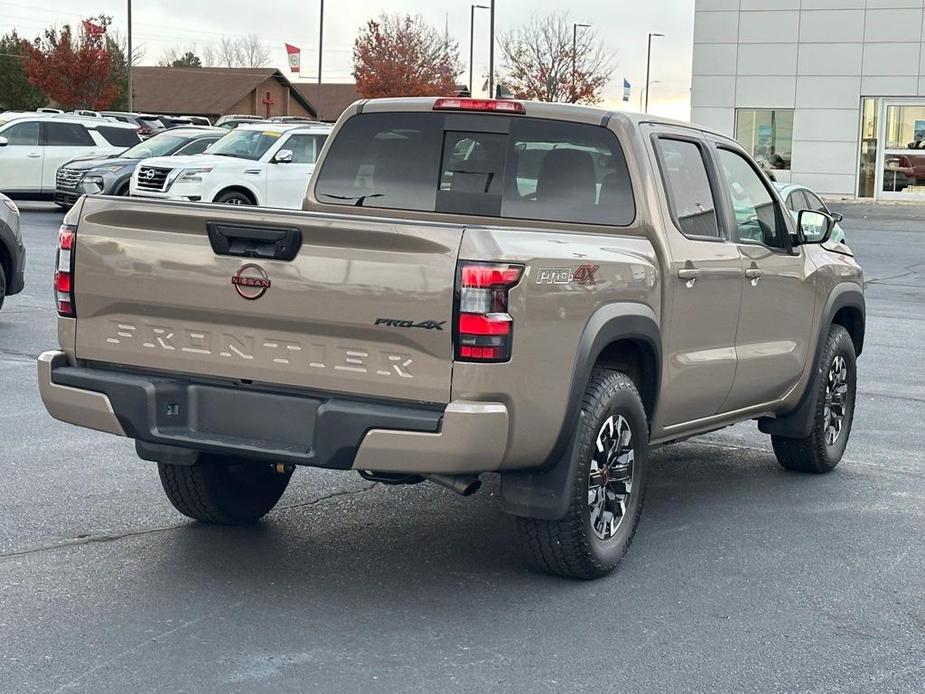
(363, 307)
(704, 284)
(21, 158)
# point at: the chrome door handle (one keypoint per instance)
(34, 155)
(754, 273)
(688, 273)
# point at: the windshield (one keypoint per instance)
(246, 144)
(157, 146)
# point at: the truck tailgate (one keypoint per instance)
(364, 307)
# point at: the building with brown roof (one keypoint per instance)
(217, 91)
(330, 99)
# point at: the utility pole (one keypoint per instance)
(129, 57)
(472, 9)
(320, 45)
(648, 68)
(491, 54)
(575, 54)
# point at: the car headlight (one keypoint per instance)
(192, 175)
(91, 184)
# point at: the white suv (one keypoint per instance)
(32, 147)
(267, 164)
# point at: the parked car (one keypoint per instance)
(147, 124)
(12, 250)
(233, 121)
(175, 121)
(433, 312)
(111, 175)
(264, 164)
(33, 148)
(199, 120)
(85, 113)
(798, 197)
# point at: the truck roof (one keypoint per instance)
(535, 109)
(286, 127)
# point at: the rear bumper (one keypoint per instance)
(173, 414)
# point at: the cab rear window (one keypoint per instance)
(495, 166)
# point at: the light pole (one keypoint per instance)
(472, 9)
(491, 54)
(575, 53)
(320, 46)
(648, 68)
(645, 90)
(129, 56)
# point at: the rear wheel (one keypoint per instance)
(234, 197)
(606, 497)
(223, 490)
(822, 450)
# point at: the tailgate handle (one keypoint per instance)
(276, 243)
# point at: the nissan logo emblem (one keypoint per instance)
(149, 174)
(251, 282)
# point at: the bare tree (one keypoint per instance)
(176, 55)
(209, 56)
(538, 61)
(252, 52)
(228, 52)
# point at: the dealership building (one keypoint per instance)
(827, 93)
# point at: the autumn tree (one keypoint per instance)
(75, 71)
(539, 63)
(16, 92)
(402, 56)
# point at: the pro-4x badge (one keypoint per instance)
(583, 274)
(424, 324)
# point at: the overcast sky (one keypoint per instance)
(622, 25)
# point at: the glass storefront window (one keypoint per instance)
(867, 167)
(904, 149)
(767, 134)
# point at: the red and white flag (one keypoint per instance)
(295, 58)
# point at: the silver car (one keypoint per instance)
(12, 251)
(799, 197)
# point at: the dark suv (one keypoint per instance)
(111, 175)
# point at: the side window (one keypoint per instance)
(757, 216)
(66, 135)
(688, 187)
(303, 147)
(796, 201)
(25, 134)
(118, 137)
(814, 203)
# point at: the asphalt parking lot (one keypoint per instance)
(742, 577)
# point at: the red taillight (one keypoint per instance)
(496, 105)
(64, 270)
(484, 328)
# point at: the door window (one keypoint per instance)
(24, 134)
(66, 135)
(197, 146)
(119, 137)
(688, 187)
(304, 148)
(757, 216)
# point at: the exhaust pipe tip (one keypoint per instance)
(464, 485)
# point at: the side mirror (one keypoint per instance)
(284, 156)
(3, 141)
(815, 227)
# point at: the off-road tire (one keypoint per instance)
(233, 197)
(814, 453)
(224, 491)
(2, 285)
(569, 546)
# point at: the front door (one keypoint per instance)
(288, 181)
(778, 300)
(704, 286)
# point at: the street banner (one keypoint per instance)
(295, 58)
(626, 90)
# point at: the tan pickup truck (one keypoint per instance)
(541, 291)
